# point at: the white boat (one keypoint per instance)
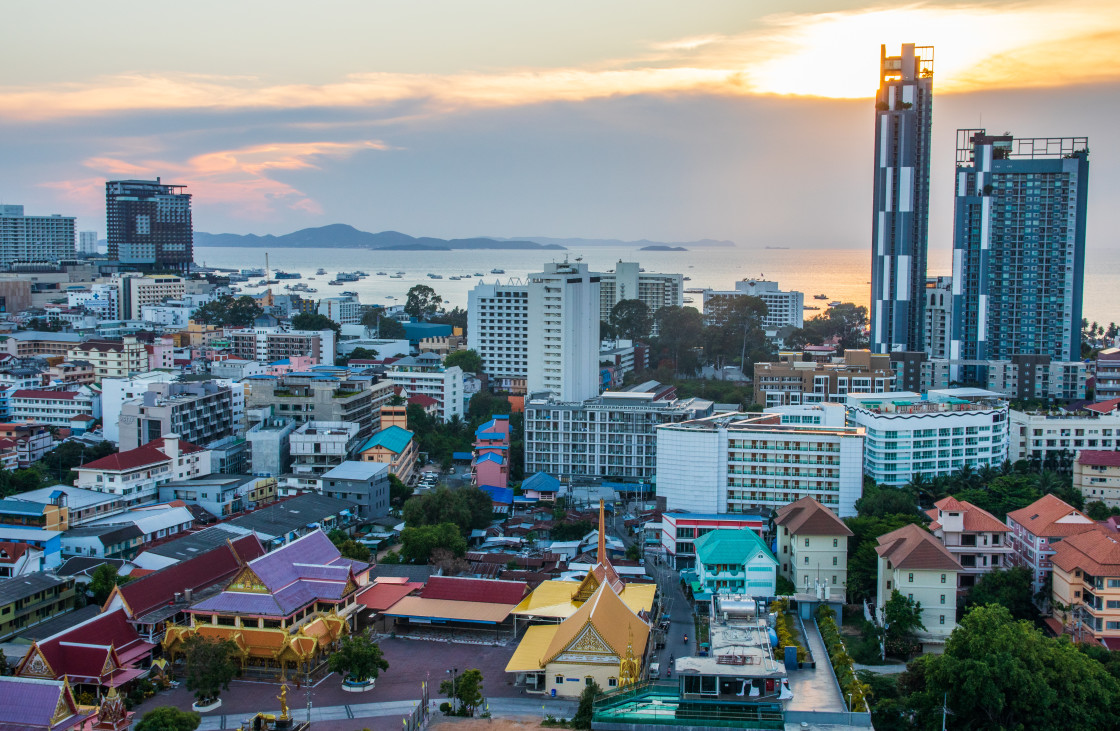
(497, 271)
(834, 303)
(395, 276)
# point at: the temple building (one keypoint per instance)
(602, 635)
(286, 610)
(28, 704)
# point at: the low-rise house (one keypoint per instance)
(1037, 529)
(112, 358)
(541, 486)
(395, 447)
(44, 516)
(812, 546)
(1096, 475)
(136, 474)
(914, 563)
(1086, 584)
(974, 536)
(47, 541)
(680, 531)
(17, 559)
(490, 460)
(32, 599)
(317, 446)
(81, 505)
(734, 562)
(220, 495)
(287, 520)
(154, 521)
(188, 546)
(103, 541)
(32, 441)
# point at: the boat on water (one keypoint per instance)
(381, 274)
(497, 271)
(453, 278)
(694, 290)
(360, 273)
(834, 303)
(479, 274)
(335, 283)
(811, 307)
(435, 276)
(287, 275)
(347, 276)
(348, 293)
(395, 276)
(255, 272)
(320, 271)
(820, 296)
(262, 283)
(688, 300)
(688, 279)
(311, 290)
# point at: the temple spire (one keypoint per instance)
(601, 557)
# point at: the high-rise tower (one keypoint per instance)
(148, 224)
(1018, 247)
(899, 228)
(563, 343)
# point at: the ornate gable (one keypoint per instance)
(35, 665)
(65, 708)
(586, 588)
(588, 648)
(248, 581)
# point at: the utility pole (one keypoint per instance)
(308, 686)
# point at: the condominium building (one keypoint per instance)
(978, 540)
(270, 450)
(102, 300)
(730, 463)
(937, 434)
(1107, 385)
(87, 243)
(199, 412)
(498, 328)
(914, 563)
(1049, 436)
(112, 358)
(57, 408)
(629, 281)
(812, 546)
(1018, 246)
(792, 381)
(317, 447)
(34, 238)
(612, 436)
(939, 315)
(1096, 475)
(1086, 587)
(270, 344)
(116, 391)
(1023, 377)
(563, 344)
(425, 375)
(308, 397)
(148, 224)
(783, 309)
(136, 293)
(28, 343)
(900, 219)
(135, 475)
(1037, 529)
(343, 310)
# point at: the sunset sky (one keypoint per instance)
(748, 121)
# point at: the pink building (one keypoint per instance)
(295, 364)
(1036, 529)
(975, 537)
(491, 453)
(161, 354)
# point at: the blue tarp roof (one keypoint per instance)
(491, 457)
(541, 482)
(462, 455)
(502, 495)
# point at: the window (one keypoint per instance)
(911, 578)
(834, 560)
(588, 680)
(559, 679)
(806, 542)
(1114, 583)
(1113, 604)
(942, 578)
(942, 619)
(612, 682)
(942, 598)
(835, 542)
(910, 597)
(806, 560)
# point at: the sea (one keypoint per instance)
(839, 274)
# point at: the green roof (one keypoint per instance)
(394, 438)
(730, 546)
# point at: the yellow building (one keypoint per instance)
(112, 358)
(1086, 584)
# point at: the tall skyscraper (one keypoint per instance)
(34, 238)
(899, 227)
(148, 224)
(564, 331)
(1018, 247)
(87, 242)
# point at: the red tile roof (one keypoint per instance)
(1103, 407)
(475, 590)
(976, 520)
(421, 399)
(913, 547)
(11, 552)
(381, 596)
(1096, 551)
(41, 394)
(82, 650)
(1050, 516)
(148, 454)
(1099, 458)
(809, 518)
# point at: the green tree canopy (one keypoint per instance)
(226, 310)
(209, 667)
(734, 329)
(862, 559)
(882, 500)
(61, 461)
(169, 718)
(418, 543)
(348, 547)
(102, 581)
(582, 719)
(466, 688)
(631, 320)
(468, 360)
(359, 657)
(314, 321)
(903, 617)
(680, 332)
(467, 508)
(398, 491)
(1010, 588)
(422, 302)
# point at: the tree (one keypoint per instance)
(102, 582)
(582, 719)
(362, 354)
(1097, 510)
(997, 672)
(631, 319)
(209, 667)
(903, 617)
(62, 460)
(734, 332)
(422, 302)
(168, 718)
(398, 491)
(358, 658)
(314, 321)
(468, 360)
(1010, 588)
(418, 543)
(467, 508)
(17, 481)
(881, 500)
(680, 331)
(455, 317)
(348, 547)
(863, 562)
(466, 688)
(226, 310)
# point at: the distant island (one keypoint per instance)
(343, 236)
(587, 243)
(662, 247)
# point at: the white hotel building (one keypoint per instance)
(498, 330)
(1039, 435)
(932, 435)
(735, 463)
(782, 308)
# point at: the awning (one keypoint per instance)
(124, 676)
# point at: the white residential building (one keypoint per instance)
(1037, 528)
(612, 436)
(34, 238)
(154, 521)
(932, 435)
(919, 567)
(170, 314)
(629, 282)
(564, 331)
(1047, 435)
(87, 242)
(782, 308)
(270, 344)
(812, 547)
(978, 540)
(730, 463)
(115, 391)
(57, 408)
(103, 300)
(316, 448)
(343, 310)
(135, 475)
(425, 375)
(498, 328)
(136, 292)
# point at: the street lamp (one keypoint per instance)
(454, 673)
(849, 709)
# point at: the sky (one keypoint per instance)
(670, 121)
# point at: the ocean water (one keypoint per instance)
(841, 274)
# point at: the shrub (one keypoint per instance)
(783, 626)
(841, 660)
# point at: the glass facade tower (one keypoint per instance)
(148, 224)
